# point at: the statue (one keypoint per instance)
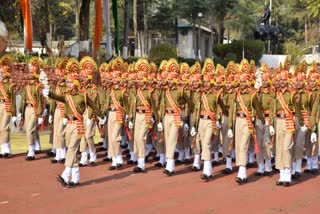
(266, 17)
(61, 46)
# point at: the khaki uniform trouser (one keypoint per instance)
(242, 140)
(160, 147)
(59, 140)
(225, 139)
(185, 139)
(89, 132)
(171, 132)
(299, 142)
(114, 135)
(264, 142)
(104, 133)
(140, 135)
(31, 124)
(312, 149)
(284, 145)
(73, 140)
(205, 134)
(4, 125)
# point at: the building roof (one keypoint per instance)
(183, 23)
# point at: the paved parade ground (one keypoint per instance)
(31, 187)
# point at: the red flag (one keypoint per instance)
(97, 28)
(27, 20)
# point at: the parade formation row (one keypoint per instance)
(199, 109)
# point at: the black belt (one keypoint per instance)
(72, 118)
(141, 111)
(29, 104)
(241, 115)
(205, 117)
(112, 109)
(281, 115)
(169, 111)
(266, 115)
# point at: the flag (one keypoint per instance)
(27, 20)
(97, 28)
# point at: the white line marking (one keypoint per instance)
(35, 194)
(4, 202)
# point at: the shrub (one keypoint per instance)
(160, 52)
(253, 49)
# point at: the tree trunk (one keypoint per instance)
(106, 15)
(221, 31)
(125, 30)
(48, 44)
(306, 30)
(84, 18)
(135, 27)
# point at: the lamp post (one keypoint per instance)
(199, 31)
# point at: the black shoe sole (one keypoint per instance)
(61, 181)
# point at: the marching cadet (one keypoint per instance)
(75, 105)
(208, 124)
(57, 113)
(174, 98)
(246, 101)
(33, 102)
(88, 66)
(286, 106)
(184, 136)
(141, 109)
(117, 107)
(228, 95)
(7, 105)
(266, 98)
(159, 98)
(311, 145)
(301, 133)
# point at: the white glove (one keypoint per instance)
(218, 124)
(19, 116)
(230, 133)
(152, 120)
(126, 118)
(193, 132)
(130, 125)
(13, 119)
(88, 122)
(266, 124)
(271, 130)
(50, 119)
(40, 120)
(303, 128)
(45, 92)
(313, 137)
(160, 127)
(45, 113)
(102, 120)
(65, 121)
(186, 126)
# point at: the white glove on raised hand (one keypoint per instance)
(102, 120)
(186, 126)
(13, 119)
(88, 122)
(160, 127)
(50, 119)
(19, 116)
(303, 128)
(218, 124)
(65, 121)
(40, 120)
(193, 132)
(271, 130)
(45, 92)
(45, 113)
(230, 133)
(130, 125)
(313, 137)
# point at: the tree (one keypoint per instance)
(84, 16)
(125, 29)
(313, 7)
